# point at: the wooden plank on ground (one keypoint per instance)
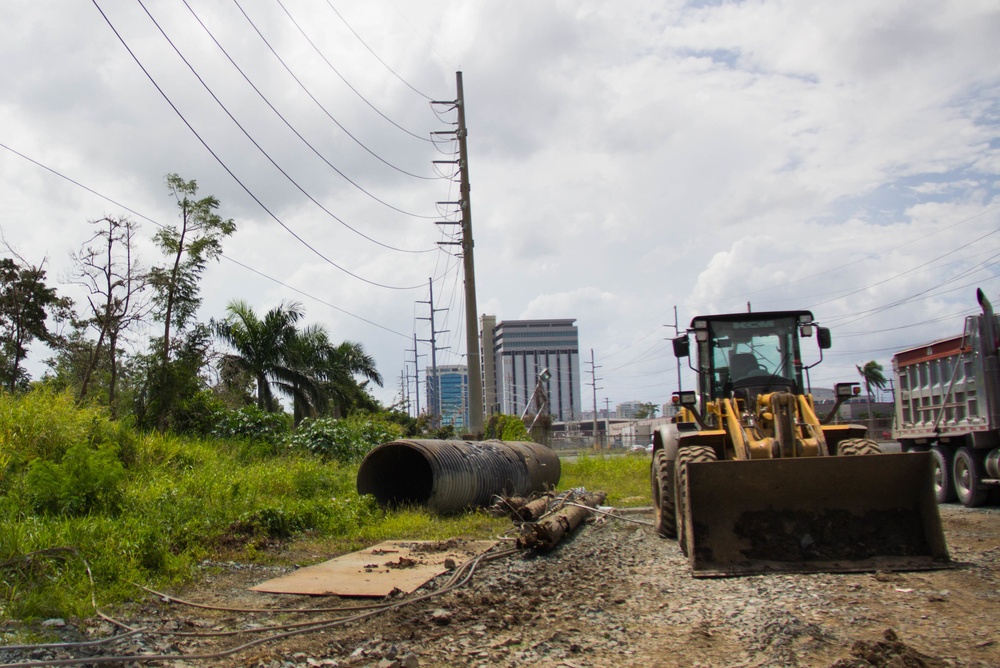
(377, 570)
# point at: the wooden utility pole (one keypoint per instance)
(471, 307)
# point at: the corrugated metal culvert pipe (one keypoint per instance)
(447, 476)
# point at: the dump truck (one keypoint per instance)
(749, 478)
(947, 402)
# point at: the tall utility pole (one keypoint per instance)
(416, 373)
(594, 379)
(433, 393)
(471, 307)
(677, 332)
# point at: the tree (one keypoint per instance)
(107, 268)
(25, 306)
(262, 348)
(646, 411)
(188, 248)
(338, 367)
(318, 376)
(872, 376)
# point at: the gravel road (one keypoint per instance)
(614, 594)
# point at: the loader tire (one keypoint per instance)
(664, 498)
(858, 446)
(968, 472)
(685, 456)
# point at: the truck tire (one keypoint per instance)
(968, 473)
(944, 482)
(664, 498)
(685, 456)
(852, 447)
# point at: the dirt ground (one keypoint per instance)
(613, 594)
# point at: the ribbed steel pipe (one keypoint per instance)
(448, 476)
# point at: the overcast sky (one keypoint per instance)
(626, 158)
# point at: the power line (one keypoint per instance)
(884, 252)
(267, 155)
(363, 43)
(346, 82)
(224, 256)
(284, 120)
(230, 172)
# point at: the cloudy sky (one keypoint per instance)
(626, 158)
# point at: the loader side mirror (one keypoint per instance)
(682, 346)
(823, 336)
(846, 390)
(686, 398)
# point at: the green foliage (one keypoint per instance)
(86, 480)
(196, 413)
(506, 428)
(252, 423)
(646, 411)
(26, 303)
(43, 424)
(346, 440)
(624, 479)
(78, 490)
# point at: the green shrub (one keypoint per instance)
(506, 428)
(196, 414)
(252, 423)
(346, 440)
(87, 480)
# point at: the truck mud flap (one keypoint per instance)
(816, 514)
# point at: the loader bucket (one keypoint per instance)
(814, 514)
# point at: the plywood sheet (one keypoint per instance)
(377, 570)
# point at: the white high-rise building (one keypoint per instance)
(521, 351)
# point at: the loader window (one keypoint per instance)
(752, 348)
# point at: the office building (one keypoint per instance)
(521, 351)
(448, 394)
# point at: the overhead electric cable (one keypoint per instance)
(230, 172)
(363, 43)
(284, 120)
(224, 256)
(887, 250)
(267, 155)
(335, 71)
(319, 104)
(908, 271)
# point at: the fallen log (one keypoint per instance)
(546, 534)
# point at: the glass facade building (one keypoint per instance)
(453, 402)
(521, 351)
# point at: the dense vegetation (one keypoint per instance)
(130, 464)
(79, 490)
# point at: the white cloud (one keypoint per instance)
(624, 160)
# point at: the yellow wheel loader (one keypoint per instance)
(749, 478)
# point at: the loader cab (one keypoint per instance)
(745, 354)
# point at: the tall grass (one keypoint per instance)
(176, 501)
(80, 490)
(625, 478)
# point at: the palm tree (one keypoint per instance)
(348, 361)
(871, 374)
(335, 368)
(262, 349)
